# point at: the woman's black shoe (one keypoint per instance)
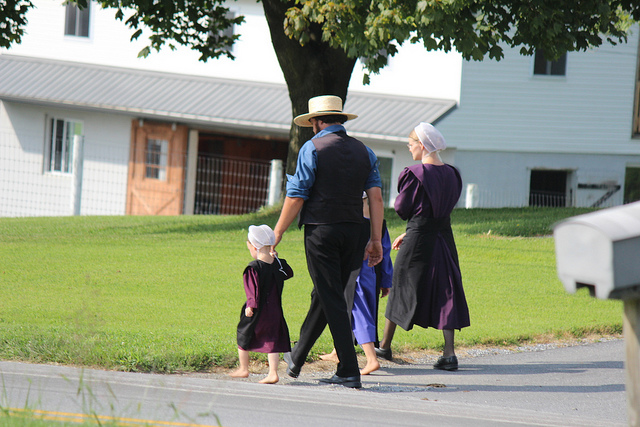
(385, 353)
(446, 363)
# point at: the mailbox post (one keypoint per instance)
(601, 251)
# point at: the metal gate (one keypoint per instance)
(228, 186)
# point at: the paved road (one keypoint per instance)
(570, 386)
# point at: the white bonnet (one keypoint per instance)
(430, 137)
(261, 235)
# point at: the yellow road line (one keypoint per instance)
(81, 418)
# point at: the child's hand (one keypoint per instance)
(273, 252)
(396, 243)
(384, 292)
(248, 311)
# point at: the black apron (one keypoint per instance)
(410, 270)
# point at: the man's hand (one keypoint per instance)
(290, 210)
(373, 252)
(248, 311)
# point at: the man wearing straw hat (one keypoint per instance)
(326, 191)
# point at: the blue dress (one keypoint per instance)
(365, 303)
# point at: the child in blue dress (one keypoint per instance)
(371, 282)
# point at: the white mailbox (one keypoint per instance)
(601, 251)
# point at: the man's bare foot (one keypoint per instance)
(270, 379)
(331, 357)
(239, 373)
(370, 367)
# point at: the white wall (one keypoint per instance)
(503, 179)
(413, 72)
(503, 106)
(509, 122)
(27, 190)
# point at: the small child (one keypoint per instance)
(262, 327)
(371, 283)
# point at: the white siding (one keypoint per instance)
(27, 190)
(109, 44)
(510, 122)
(413, 72)
(503, 179)
(504, 107)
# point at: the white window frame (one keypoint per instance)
(59, 144)
(156, 159)
(79, 17)
(228, 32)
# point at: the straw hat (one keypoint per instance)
(322, 106)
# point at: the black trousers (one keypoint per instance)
(334, 257)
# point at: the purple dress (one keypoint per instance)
(427, 285)
(266, 331)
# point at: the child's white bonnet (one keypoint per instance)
(261, 235)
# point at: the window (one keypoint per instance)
(216, 34)
(228, 32)
(548, 188)
(77, 20)
(631, 184)
(156, 159)
(384, 166)
(60, 144)
(549, 68)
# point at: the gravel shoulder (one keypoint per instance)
(422, 357)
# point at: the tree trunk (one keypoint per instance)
(310, 70)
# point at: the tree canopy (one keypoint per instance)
(318, 42)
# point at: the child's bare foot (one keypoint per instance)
(239, 373)
(331, 357)
(270, 379)
(370, 367)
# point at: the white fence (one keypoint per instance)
(27, 188)
(220, 185)
(476, 197)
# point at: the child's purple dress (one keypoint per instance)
(266, 331)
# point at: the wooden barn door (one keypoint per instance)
(156, 169)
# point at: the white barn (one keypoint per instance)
(171, 135)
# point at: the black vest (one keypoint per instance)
(342, 169)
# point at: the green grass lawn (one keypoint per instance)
(164, 294)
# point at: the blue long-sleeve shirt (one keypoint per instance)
(299, 185)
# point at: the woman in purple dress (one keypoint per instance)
(427, 285)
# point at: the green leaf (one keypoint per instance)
(144, 52)
(430, 44)
(496, 52)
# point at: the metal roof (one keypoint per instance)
(207, 101)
